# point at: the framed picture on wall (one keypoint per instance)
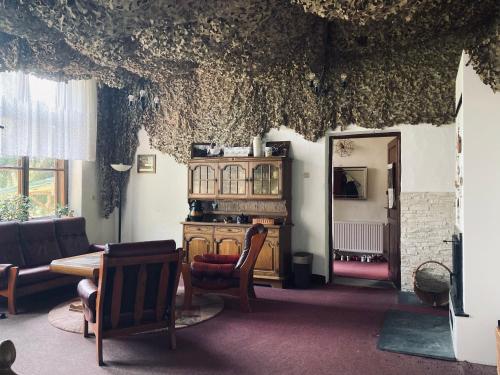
(146, 163)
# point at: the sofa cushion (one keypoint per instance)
(71, 236)
(10, 245)
(39, 243)
(35, 275)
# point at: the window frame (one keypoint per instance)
(24, 173)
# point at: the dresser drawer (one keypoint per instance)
(205, 229)
(230, 230)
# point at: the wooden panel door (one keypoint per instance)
(266, 180)
(197, 244)
(267, 261)
(202, 180)
(394, 212)
(233, 180)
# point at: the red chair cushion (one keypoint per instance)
(217, 258)
(202, 270)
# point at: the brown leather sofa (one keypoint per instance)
(26, 250)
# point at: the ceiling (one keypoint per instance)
(229, 69)
(118, 39)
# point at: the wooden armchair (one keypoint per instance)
(229, 274)
(136, 292)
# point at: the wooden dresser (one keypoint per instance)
(255, 187)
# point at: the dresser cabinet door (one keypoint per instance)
(228, 240)
(268, 259)
(233, 180)
(202, 180)
(266, 180)
(197, 244)
(228, 246)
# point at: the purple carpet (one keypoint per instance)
(329, 330)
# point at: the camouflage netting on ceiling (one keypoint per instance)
(225, 70)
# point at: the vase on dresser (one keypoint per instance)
(257, 146)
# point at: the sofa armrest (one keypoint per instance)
(87, 291)
(95, 248)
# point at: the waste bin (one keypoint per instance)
(302, 269)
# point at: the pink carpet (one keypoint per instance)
(361, 270)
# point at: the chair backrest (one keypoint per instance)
(254, 240)
(137, 284)
(10, 244)
(39, 242)
(71, 236)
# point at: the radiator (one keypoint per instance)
(361, 237)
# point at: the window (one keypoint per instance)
(43, 180)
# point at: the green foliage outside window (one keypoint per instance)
(15, 208)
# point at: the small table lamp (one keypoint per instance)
(120, 168)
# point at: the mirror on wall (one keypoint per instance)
(350, 182)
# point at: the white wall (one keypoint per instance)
(83, 195)
(475, 336)
(427, 158)
(155, 203)
(309, 195)
(370, 153)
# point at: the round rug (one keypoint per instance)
(204, 307)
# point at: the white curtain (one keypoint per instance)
(47, 119)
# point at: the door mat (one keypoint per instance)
(423, 335)
(408, 298)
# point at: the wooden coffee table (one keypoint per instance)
(85, 265)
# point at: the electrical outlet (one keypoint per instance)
(307, 175)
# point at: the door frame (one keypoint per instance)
(331, 139)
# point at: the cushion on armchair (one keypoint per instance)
(209, 270)
(217, 258)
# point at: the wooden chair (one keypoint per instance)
(136, 292)
(233, 275)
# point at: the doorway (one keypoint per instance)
(364, 207)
